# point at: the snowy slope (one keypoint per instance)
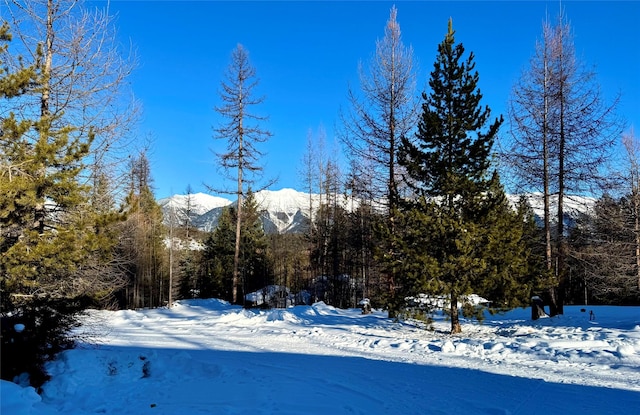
(196, 206)
(288, 210)
(207, 357)
(199, 203)
(574, 206)
(282, 211)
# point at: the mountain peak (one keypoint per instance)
(288, 210)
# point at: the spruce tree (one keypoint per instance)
(255, 262)
(448, 167)
(510, 273)
(216, 279)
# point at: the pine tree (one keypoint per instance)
(509, 274)
(49, 235)
(254, 265)
(215, 279)
(44, 236)
(85, 74)
(448, 165)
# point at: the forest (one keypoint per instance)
(80, 227)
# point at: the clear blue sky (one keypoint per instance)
(306, 54)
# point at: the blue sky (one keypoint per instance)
(307, 53)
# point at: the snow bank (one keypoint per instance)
(206, 356)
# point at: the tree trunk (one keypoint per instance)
(636, 211)
(561, 243)
(236, 253)
(455, 318)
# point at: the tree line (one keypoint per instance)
(419, 215)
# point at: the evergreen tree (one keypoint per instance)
(43, 235)
(188, 269)
(510, 274)
(256, 268)
(448, 167)
(216, 276)
(216, 279)
(50, 237)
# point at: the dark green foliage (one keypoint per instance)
(451, 155)
(510, 273)
(459, 236)
(188, 274)
(50, 236)
(217, 259)
(46, 324)
(255, 264)
(216, 271)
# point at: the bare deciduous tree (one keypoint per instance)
(386, 110)
(563, 131)
(632, 147)
(85, 75)
(241, 130)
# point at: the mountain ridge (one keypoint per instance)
(288, 210)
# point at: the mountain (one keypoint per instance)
(203, 209)
(281, 211)
(287, 210)
(574, 207)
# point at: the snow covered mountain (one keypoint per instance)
(282, 211)
(203, 209)
(287, 210)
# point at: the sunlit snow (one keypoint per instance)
(208, 357)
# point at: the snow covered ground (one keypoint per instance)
(207, 357)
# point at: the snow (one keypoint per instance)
(285, 209)
(208, 357)
(198, 203)
(573, 205)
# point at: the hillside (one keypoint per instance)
(287, 210)
(282, 211)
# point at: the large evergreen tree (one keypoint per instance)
(52, 239)
(456, 199)
(45, 234)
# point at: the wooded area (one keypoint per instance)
(428, 216)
